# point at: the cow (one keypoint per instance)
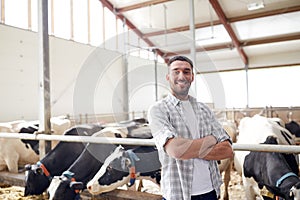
(123, 167)
(255, 130)
(277, 172)
(15, 152)
(89, 162)
(38, 176)
(80, 172)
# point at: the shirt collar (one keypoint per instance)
(175, 101)
(172, 99)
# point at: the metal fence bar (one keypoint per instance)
(144, 142)
(85, 139)
(267, 148)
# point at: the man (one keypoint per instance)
(189, 139)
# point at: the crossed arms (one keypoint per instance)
(206, 148)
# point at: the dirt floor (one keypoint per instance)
(8, 192)
(235, 188)
(236, 191)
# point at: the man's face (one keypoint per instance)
(180, 77)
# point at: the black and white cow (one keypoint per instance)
(255, 130)
(123, 167)
(14, 152)
(74, 179)
(38, 176)
(91, 160)
(18, 152)
(278, 172)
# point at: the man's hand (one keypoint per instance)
(220, 151)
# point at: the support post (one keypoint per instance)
(44, 76)
(193, 43)
(125, 79)
(2, 11)
(247, 86)
(155, 75)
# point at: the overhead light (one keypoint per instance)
(255, 6)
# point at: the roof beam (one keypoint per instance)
(120, 16)
(265, 14)
(251, 68)
(118, 13)
(215, 4)
(233, 19)
(182, 28)
(141, 5)
(281, 38)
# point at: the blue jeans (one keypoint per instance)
(207, 196)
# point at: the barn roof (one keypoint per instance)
(229, 34)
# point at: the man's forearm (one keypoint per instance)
(181, 148)
(220, 151)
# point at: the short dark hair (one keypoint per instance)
(181, 58)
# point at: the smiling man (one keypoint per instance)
(189, 139)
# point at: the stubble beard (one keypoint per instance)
(181, 91)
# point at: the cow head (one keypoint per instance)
(34, 144)
(114, 169)
(278, 172)
(72, 181)
(36, 181)
(122, 167)
(65, 187)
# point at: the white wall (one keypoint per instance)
(84, 79)
(19, 73)
(141, 83)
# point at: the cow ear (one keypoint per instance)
(28, 167)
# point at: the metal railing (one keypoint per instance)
(143, 142)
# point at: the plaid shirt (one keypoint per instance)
(167, 120)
